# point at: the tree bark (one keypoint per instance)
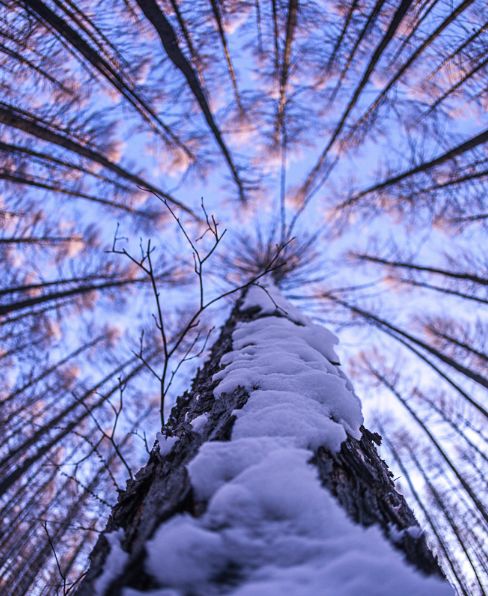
(356, 476)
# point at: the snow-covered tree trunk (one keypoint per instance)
(266, 482)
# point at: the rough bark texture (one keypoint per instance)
(357, 476)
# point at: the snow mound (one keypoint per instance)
(199, 422)
(269, 299)
(271, 529)
(114, 564)
(295, 389)
(165, 443)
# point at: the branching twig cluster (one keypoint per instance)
(172, 346)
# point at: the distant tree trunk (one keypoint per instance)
(162, 490)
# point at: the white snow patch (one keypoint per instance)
(165, 443)
(303, 421)
(269, 299)
(114, 563)
(184, 554)
(283, 531)
(295, 390)
(199, 422)
(219, 462)
(397, 535)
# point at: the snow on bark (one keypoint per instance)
(114, 564)
(257, 519)
(267, 515)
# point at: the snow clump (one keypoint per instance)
(114, 564)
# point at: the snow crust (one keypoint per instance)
(270, 528)
(398, 535)
(199, 422)
(114, 564)
(269, 299)
(166, 443)
(295, 390)
(273, 521)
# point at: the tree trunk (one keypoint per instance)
(165, 491)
